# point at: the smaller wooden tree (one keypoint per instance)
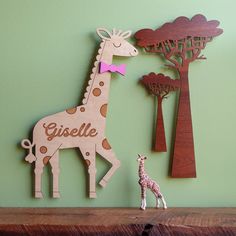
(160, 86)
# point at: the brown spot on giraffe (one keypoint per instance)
(87, 162)
(71, 110)
(46, 160)
(103, 110)
(101, 83)
(105, 144)
(87, 153)
(43, 149)
(82, 109)
(97, 92)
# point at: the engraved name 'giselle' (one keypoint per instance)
(53, 130)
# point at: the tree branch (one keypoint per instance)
(194, 57)
(166, 92)
(171, 66)
(201, 58)
(176, 64)
(163, 46)
(152, 49)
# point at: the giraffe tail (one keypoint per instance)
(26, 144)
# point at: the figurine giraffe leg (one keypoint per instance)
(89, 156)
(159, 196)
(143, 198)
(54, 162)
(105, 150)
(38, 170)
(163, 202)
(157, 202)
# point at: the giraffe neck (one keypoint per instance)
(141, 170)
(97, 91)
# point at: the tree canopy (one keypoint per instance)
(159, 84)
(181, 28)
(180, 41)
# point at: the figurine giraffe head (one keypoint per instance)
(116, 40)
(141, 158)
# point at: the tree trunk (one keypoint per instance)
(160, 142)
(183, 162)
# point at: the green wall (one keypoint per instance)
(46, 52)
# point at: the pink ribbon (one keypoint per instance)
(112, 68)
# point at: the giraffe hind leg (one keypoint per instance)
(38, 170)
(157, 202)
(54, 162)
(163, 202)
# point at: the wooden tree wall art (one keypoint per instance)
(82, 127)
(181, 43)
(160, 86)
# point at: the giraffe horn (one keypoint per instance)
(138, 157)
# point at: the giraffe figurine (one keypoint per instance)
(81, 127)
(146, 182)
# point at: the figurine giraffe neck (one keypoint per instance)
(141, 170)
(99, 84)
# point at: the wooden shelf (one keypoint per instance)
(119, 221)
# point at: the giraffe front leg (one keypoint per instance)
(105, 150)
(143, 198)
(54, 162)
(89, 156)
(38, 176)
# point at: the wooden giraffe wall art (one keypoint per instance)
(82, 127)
(181, 42)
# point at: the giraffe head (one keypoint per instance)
(116, 41)
(141, 158)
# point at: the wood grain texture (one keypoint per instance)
(183, 161)
(117, 221)
(160, 141)
(200, 217)
(128, 230)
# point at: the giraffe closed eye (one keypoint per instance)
(117, 46)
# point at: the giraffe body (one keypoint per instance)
(81, 127)
(145, 183)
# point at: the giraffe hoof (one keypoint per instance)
(165, 207)
(92, 195)
(38, 194)
(142, 208)
(56, 195)
(103, 183)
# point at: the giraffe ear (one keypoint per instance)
(104, 33)
(145, 158)
(126, 34)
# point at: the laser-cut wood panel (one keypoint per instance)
(84, 126)
(181, 42)
(160, 86)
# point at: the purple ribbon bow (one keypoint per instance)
(112, 68)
